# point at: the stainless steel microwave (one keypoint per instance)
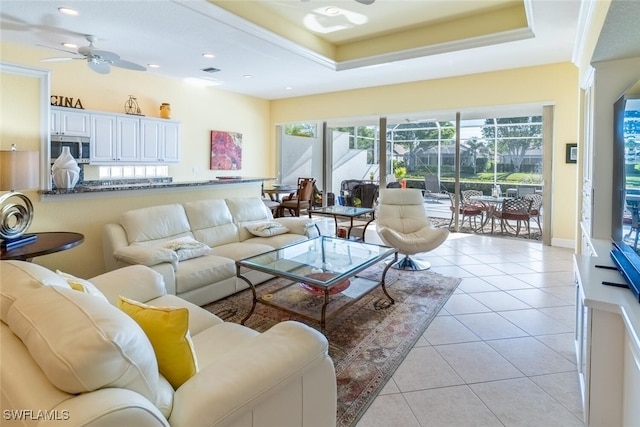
(79, 146)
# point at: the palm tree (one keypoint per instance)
(475, 147)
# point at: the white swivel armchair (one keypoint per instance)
(402, 223)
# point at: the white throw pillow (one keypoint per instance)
(84, 344)
(187, 248)
(266, 229)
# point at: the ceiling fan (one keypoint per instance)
(99, 61)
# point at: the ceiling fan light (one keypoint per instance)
(68, 11)
(332, 10)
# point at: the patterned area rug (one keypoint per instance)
(368, 340)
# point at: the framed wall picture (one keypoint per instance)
(226, 150)
(572, 153)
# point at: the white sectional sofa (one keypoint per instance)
(148, 236)
(70, 357)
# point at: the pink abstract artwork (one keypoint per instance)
(226, 150)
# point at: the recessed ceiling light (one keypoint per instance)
(68, 11)
(70, 45)
(248, 76)
(153, 65)
(288, 88)
(208, 55)
(332, 10)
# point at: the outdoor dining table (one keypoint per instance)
(490, 205)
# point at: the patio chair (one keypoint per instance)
(346, 190)
(523, 190)
(468, 211)
(367, 193)
(432, 187)
(468, 194)
(517, 209)
(467, 199)
(536, 207)
(319, 195)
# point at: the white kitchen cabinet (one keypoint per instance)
(114, 139)
(128, 139)
(607, 344)
(159, 141)
(71, 122)
(122, 139)
(103, 137)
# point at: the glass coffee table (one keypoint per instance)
(349, 212)
(321, 276)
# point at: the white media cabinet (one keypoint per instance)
(607, 343)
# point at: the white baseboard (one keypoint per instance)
(564, 243)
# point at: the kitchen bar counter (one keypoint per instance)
(141, 185)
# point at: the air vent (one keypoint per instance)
(210, 70)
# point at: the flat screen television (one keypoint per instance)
(625, 224)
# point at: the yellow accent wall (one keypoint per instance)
(18, 116)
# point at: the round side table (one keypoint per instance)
(46, 243)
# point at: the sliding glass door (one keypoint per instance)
(496, 151)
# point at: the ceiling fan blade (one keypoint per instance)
(58, 59)
(57, 48)
(366, 1)
(128, 65)
(99, 67)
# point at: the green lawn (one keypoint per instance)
(513, 177)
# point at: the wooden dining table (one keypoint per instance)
(277, 190)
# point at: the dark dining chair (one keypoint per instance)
(367, 193)
(299, 201)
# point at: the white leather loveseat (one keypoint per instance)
(70, 357)
(147, 236)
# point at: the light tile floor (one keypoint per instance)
(500, 352)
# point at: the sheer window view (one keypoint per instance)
(505, 152)
(498, 157)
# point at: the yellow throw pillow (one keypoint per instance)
(168, 330)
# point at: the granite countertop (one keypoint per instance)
(146, 184)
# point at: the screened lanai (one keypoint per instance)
(486, 150)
